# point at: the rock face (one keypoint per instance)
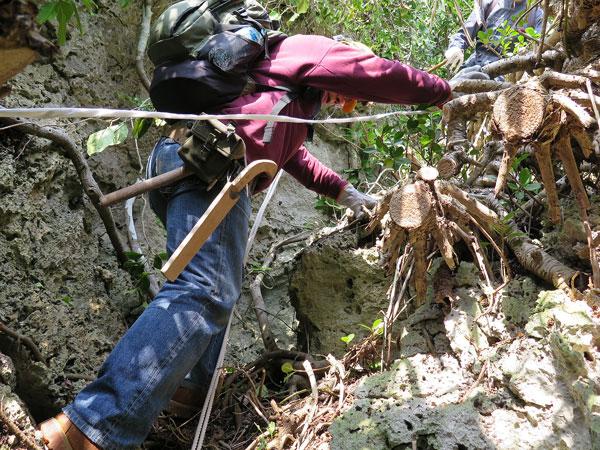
(336, 289)
(540, 380)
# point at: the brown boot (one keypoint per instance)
(60, 434)
(186, 402)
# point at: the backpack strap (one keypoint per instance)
(293, 92)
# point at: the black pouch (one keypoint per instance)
(211, 150)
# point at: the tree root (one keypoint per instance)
(27, 341)
(142, 41)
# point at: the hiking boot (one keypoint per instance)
(186, 402)
(59, 433)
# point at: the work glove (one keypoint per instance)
(468, 73)
(353, 199)
(455, 57)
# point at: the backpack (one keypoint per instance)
(229, 33)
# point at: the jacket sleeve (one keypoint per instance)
(363, 76)
(311, 173)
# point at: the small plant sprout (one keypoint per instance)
(376, 328)
(288, 369)
(348, 339)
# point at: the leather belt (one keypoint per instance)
(179, 131)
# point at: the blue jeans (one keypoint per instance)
(179, 334)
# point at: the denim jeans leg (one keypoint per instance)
(173, 334)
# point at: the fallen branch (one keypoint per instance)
(521, 63)
(532, 257)
(27, 341)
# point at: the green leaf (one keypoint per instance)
(133, 255)
(348, 339)
(524, 177)
(65, 12)
(47, 12)
(533, 186)
(302, 7)
(141, 126)
(287, 368)
(102, 139)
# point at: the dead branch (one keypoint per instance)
(594, 100)
(489, 150)
(85, 175)
(469, 105)
(522, 63)
(442, 286)
(539, 199)
(532, 257)
(546, 44)
(564, 151)
(543, 34)
(475, 208)
(574, 109)
(542, 153)
(475, 86)
(26, 340)
(552, 78)
(142, 41)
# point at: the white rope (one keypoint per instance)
(212, 391)
(55, 113)
(260, 215)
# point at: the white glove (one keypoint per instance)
(353, 199)
(455, 57)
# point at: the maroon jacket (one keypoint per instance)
(325, 64)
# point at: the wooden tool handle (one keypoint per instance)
(147, 185)
(213, 216)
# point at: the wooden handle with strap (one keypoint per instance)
(213, 216)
